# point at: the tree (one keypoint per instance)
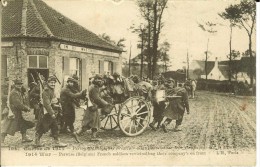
(119, 43)
(247, 54)
(163, 55)
(152, 11)
(209, 28)
(141, 31)
(233, 66)
(244, 15)
(229, 15)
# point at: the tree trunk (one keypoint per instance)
(149, 57)
(154, 39)
(206, 61)
(230, 55)
(251, 62)
(142, 56)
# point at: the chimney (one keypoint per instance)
(216, 63)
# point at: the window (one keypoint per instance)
(38, 61)
(74, 66)
(108, 67)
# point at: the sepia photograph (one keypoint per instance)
(128, 82)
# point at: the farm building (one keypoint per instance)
(37, 38)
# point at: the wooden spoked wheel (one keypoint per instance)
(110, 122)
(134, 116)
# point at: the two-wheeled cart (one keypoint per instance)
(132, 116)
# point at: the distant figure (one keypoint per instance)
(193, 88)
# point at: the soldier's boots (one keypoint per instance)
(152, 125)
(57, 143)
(164, 128)
(80, 132)
(3, 140)
(25, 138)
(64, 130)
(94, 137)
(177, 128)
(38, 141)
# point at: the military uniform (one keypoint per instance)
(67, 98)
(158, 108)
(47, 120)
(176, 108)
(34, 95)
(91, 117)
(18, 123)
(4, 94)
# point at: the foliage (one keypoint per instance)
(119, 43)
(247, 53)
(243, 15)
(151, 11)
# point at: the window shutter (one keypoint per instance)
(114, 66)
(66, 65)
(101, 66)
(84, 74)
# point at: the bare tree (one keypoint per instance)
(209, 28)
(243, 15)
(152, 11)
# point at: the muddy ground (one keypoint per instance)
(216, 121)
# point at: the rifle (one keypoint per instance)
(57, 79)
(33, 78)
(41, 90)
(10, 112)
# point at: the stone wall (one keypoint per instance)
(57, 60)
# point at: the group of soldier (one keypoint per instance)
(58, 114)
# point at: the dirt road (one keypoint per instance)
(216, 121)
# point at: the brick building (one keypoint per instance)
(36, 38)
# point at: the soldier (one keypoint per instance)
(4, 94)
(17, 106)
(193, 88)
(48, 120)
(68, 96)
(144, 89)
(91, 118)
(158, 108)
(175, 109)
(34, 94)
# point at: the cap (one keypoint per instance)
(52, 78)
(18, 81)
(170, 80)
(74, 76)
(70, 79)
(116, 74)
(97, 76)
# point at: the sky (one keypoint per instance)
(180, 29)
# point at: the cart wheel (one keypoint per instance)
(134, 116)
(110, 121)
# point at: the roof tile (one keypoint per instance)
(42, 21)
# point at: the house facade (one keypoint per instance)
(216, 73)
(38, 39)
